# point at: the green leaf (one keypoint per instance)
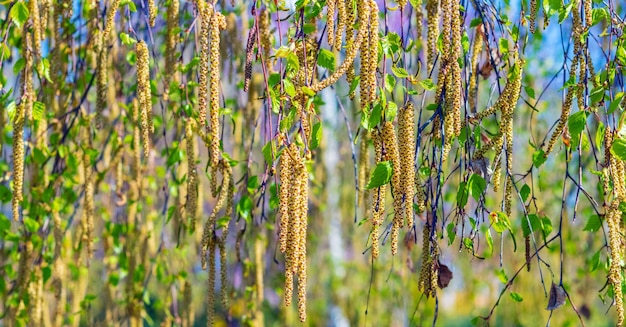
(5, 224)
(551, 7)
(598, 15)
(576, 123)
(597, 93)
(524, 192)
(39, 111)
(19, 14)
(43, 69)
(267, 153)
(399, 72)
(616, 102)
(326, 59)
(462, 195)
(428, 84)
(289, 88)
(127, 39)
(451, 229)
(618, 148)
(19, 65)
(620, 54)
(316, 137)
(516, 297)
(476, 185)
(504, 45)
(308, 91)
(475, 22)
(502, 276)
(380, 176)
(244, 208)
(535, 224)
(31, 224)
(539, 157)
(489, 240)
(593, 224)
(530, 91)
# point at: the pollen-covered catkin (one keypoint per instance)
(477, 48)
(88, 199)
(170, 47)
(152, 12)
(192, 176)
(204, 23)
(218, 23)
(432, 17)
(284, 193)
(330, 23)
(351, 52)
(18, 160)
(533, 15)
(342, 18)
(614, 217)
(144, 94)
(390, 142)
(406, 147)
(373, 56)
(33, 8)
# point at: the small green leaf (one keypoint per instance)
(593, 224)
(380, 176)
(524, 192)
(502, 276)
(462, 195)
(316, 137)
(428, 84)
(618, 149)
(308, 91)
(289, 88)
(267, 153)
(516, 297)
(399, 72)
(616, 102)
(576, 123)
(127, 39)
(530, 91)
(476, 186)
(598, 15)
(326, 59)
(19, 14)
(244, 208)
(539, 157)
(38, 111)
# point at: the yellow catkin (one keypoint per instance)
(191, 204)
(391, 148)
(266, 38)
(23, 280)
(144, 94)
(18, 160)
(33, 8)
(342, 18)
(259, 267)
(218, 22)
(588, 10)
(204, 22)
(614, 217)
(58, 271)
(331, 6)
(170, 47)
(101, 46)
(222, 199)
(406, 147)
(373, 56)
(292, 255)
(351, 52)
(533, 15)
(365, 66)
(211, 284)
(378, 202)
(569, 97)
(425, 272)
(152, 12)
(288, 287)
(228, 186)
(477, 48)
(302, 205)
(284, 193)
(432, 12)
(187, 309)
(350, 20)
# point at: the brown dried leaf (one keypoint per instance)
(444, 277)
(557, 297)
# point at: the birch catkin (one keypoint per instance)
(204, 22)
(406, 146)
(144, 94)
(391, 147)
(170, 47)
(192, 176)
(218, 22)
(18, 160)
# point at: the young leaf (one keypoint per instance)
(380, 176)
